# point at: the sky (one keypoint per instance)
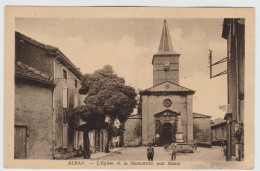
(129, 44)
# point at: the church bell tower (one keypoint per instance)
(166, 60)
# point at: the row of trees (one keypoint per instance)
(108, 104)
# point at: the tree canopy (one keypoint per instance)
(106, 95)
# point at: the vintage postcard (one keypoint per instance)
(129, 88)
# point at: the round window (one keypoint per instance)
(167, 103)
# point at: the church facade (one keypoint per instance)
(167, 114)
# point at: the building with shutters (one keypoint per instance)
(219, 132)
(46, 90)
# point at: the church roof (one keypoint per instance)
(165, 46)
(167, 87)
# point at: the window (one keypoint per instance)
(65, 74)
(75, 100)
(76, 83)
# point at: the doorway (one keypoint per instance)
(168, 134)
(20, 142)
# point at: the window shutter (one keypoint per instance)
(65, 97)
(75, 100)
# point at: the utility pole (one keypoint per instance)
(216, 63)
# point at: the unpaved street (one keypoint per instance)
(139, 154)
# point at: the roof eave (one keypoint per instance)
(167, 92)
(218, 124)
(43, 82)
(52, 50)
(165, 55)
(199, 115)
(35, 42)
(64, 59)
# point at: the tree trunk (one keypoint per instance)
(109, 139)
(121, 142)
(86, 150)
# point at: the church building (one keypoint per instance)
(167, 114)
(167, 108)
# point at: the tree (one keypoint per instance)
(107, 99)
(139, 102)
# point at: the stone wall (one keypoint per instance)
(201, 130)
(133, 131)
(219, 132)
(189, 121)
(33, 109)
(160, 75)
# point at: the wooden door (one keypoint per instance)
(167, 133)
(20, 142)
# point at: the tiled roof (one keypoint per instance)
(39, 44)
(218, 122)
(54, 51)
(25, 71)
(198, 115)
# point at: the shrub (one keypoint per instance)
(184, 149)
(203, 144)
(180, 149)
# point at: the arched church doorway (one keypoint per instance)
(168, 133)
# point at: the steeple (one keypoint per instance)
(166, 61)
(165, 46)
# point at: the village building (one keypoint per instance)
(33, 113)
(133, 131)
(218, 132)
(45, 114)
(234, 32)
(167, 107)
(201, 128)
(46, 91)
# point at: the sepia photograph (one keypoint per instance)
(141, 90)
